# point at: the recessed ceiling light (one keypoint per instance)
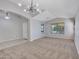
(19, 4)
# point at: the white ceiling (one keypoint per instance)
(45, 16)
(53, 8)
(58, 8)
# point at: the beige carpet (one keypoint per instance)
(46, 48)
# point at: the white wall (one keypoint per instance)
(68, 32)
(11, 29)
(69, 28)
(77, 32)
(25, 31)
(35, 29)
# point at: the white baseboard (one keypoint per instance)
(36, 38)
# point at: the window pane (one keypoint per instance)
(58, 28)
(42, 27)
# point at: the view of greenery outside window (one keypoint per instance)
(42, 27)
(58, 28)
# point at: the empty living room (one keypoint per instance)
(39, 29)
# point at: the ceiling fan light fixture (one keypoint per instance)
(24, 10)
(7, 16)
(32, 8)
(19, 4)
(38, 10)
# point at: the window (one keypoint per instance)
(42, 27)
(58, 28)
